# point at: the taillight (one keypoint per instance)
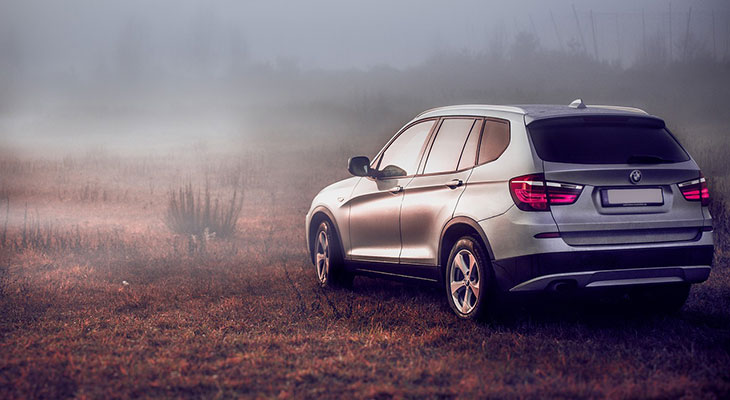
(532, 193)
(695, 190)
(563, 193)
(528, 192)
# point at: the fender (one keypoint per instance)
(471, 223)
(324, 210)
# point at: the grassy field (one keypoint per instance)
(99, 299)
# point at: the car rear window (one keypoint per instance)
(605, 141)
(495, 140)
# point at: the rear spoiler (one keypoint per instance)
(610, 118)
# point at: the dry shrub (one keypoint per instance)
(3, 279)
(46, 237)
(195, 214)
(720, 210)
(4, 234)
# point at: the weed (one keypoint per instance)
(189, 213)
(187, 316)
(4, 236)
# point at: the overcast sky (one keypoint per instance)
(150, 70)
(84, 34)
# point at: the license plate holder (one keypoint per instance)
(632, 197)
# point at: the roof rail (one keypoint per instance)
(427, 111)
(622, 108)
(579, 104)
(490, 107)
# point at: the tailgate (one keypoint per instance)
(614, 209)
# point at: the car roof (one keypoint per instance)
(534, 112)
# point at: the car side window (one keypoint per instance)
(402, 156)
(495, 140)
(448, 145)
(469, 155)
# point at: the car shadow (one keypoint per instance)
(595, 309)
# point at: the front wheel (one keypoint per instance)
(328, 260)
(468, 279)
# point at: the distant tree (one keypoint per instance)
(11, 65)
(11, 53)
(133, 49)
(575, 46)
(498, 43)
(656, 53)
(208, 47)
(525, 45)
(238, 51)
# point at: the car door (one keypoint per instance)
(431, 196)
(375, 202)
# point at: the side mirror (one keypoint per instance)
(359, 166)
(391, 171)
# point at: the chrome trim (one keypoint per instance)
(564, 185)
(552, 184)
(637, 281)
(692, 182)
(394, 274)
(535, 183)
(620, 277)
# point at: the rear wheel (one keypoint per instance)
(468, 279)
(661, 298)
(328, 262)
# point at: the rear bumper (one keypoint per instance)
(621, 277)
(605, 267)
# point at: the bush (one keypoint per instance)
(191, 214)
(720, 210)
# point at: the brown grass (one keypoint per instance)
(101, 300)
(203, 217)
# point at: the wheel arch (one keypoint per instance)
(320, 214)
(452, 231)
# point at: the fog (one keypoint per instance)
(140, 75)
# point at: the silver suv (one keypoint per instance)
(490, 199)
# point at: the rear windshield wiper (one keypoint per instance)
(646, 159)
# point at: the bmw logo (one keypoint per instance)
(635, 176)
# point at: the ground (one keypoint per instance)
(100, 299)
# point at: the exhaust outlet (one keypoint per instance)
(564, 286)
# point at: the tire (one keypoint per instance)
(328, 264)
(469, 279)
(662, 298)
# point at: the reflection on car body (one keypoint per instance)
(482, 199)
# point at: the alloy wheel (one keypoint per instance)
(322, 257)
(464, 281)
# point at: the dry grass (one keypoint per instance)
(191, 215)
(114, 305)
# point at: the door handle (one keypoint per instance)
(455, 183)
(396, 189)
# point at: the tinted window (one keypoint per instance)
(469, 155)
(448, 145)
(494, 140)
(401, 157)
(576, 140)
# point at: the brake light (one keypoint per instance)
(528, 192)
(563, 193)
(695, 190)
(532, 193)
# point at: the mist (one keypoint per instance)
(145, 76)
(158, 159)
